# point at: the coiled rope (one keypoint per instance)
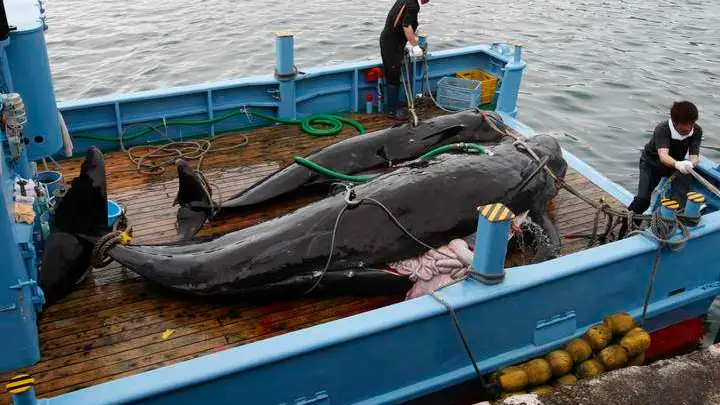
(197, 149)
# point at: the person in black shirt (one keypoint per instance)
(665, 153)
(399, 32)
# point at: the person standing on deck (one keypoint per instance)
(399, 32)
(666, 152)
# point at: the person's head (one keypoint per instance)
(683, 115)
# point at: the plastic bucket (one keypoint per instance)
(51, 179)
(113, 212)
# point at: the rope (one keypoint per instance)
(197, 149)
(350, 202)
(602, 206)
(408, 89)
(171, 151)
(662, 231)
(429, 92)
(100, 257)
(456, 322)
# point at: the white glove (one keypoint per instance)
(683, 166)
(414, 50)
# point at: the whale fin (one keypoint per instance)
(80, 216)
(194, 197)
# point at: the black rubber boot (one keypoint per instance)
(395, 110)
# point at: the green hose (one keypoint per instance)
(330, 173)
(460, 147)
(335, 123)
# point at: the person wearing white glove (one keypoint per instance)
(415, 51)
(399, 31)
(684, 166)
(665, 152)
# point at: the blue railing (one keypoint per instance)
(331, 89)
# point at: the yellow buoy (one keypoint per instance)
(613, 357)
(635, 342)
(510, 379)
(619, 323)
(561, 362)
(599, 336)
(636, 330)
(567, 379)
(542, 389)
(589, 368)
(579, 349)
(637, 360)
(538, 371)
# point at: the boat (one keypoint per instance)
(117, 339)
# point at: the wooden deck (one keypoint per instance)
(115, 324)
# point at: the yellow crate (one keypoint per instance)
(488, 83)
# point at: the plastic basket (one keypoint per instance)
(458, 94)
(488, 82)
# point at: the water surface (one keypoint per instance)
(602, 72)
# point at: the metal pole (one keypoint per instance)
(510, 87)
(285, 74)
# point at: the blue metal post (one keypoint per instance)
(510, 87)
(21, 389)
(7, 85)
(285, 74)
(491, 242)
(693, 204)
(18, 325)
(668, 208)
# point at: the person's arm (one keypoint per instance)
(411, 14)
(410, 34)
(662, 143)
(694, 150)
(665, 157)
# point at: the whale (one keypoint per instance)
(377, 151)
(348, 242)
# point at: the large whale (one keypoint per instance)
(344, 242)
(375, 151)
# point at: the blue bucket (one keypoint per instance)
(113, 212)
(51, 179)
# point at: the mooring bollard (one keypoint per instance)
(693, 204)
(21, 389)
(668, 208)
(491, 242)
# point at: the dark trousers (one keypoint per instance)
(391, 53)
(393, 57)
(650, 176)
